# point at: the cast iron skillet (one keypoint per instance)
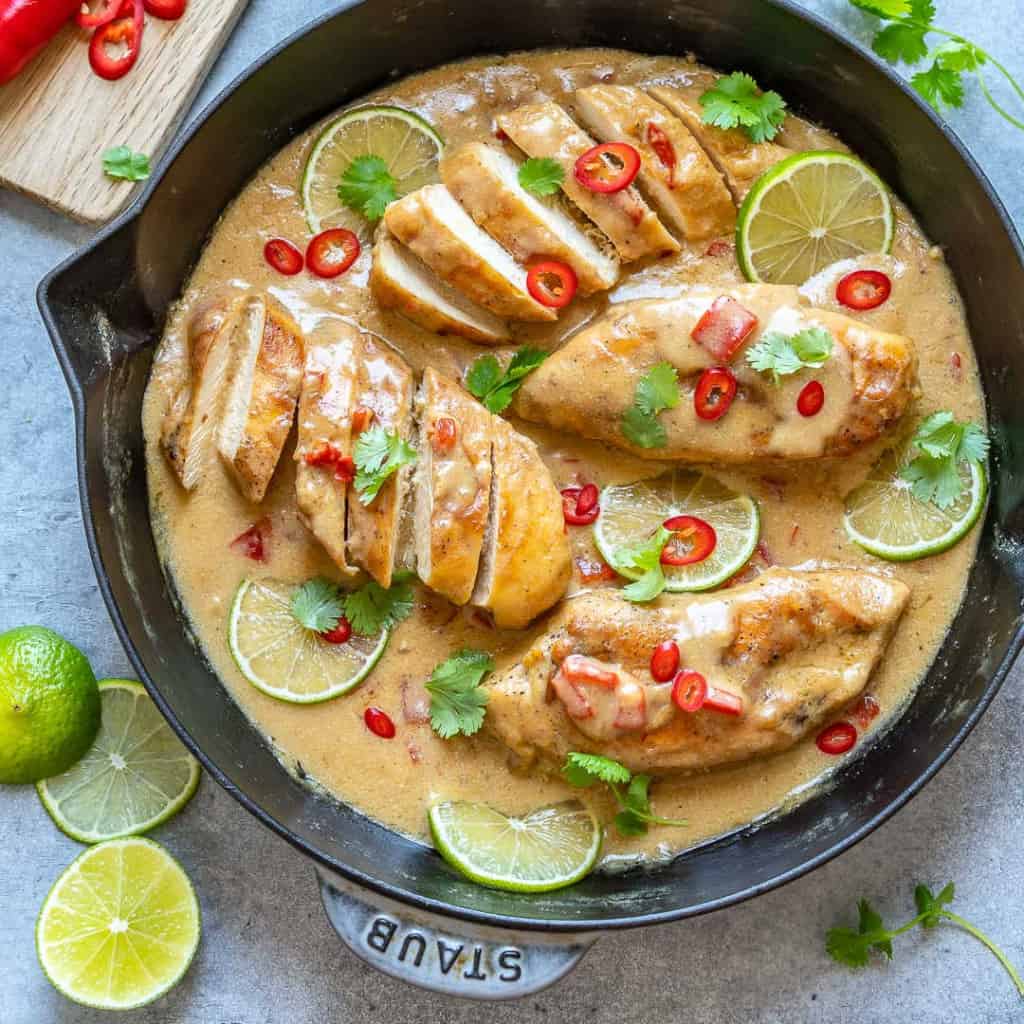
(105, 310)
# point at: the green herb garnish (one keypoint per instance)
(943, 442)
(367, 187)
(318, 605)
(541, 175)
(735, 101)
(782, 354)
(378, 454)
(457, 700)
(495, 386)
(646, 559)
(372, 607)
(124, 163)
(657, 390)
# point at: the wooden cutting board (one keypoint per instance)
(57, 117)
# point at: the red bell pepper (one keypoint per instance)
(26, 26)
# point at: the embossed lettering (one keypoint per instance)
(421, 948)
(474, 973)
(509, 960)
(453, 953)
(381, 934)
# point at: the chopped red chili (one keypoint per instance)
(837, 739)
(594, 570)
(693, 539)
(580, 504)
(253, 543)
(115, 46)
(551, 283)
(866, 710)
(329, 457)
(689, 691)
(444, 435)
(723, 327)
(663, 149)
(811, 399)
(93, 17)
(283, 256)
(332, 252)
(362, 417)
(863, 289)
(719, 247)
(168, 10)
(716, 388)
(665, 661)
(956, 367)
(724, 701)
(578, 668)
(341, 633)
(379, 723)
(608, 167)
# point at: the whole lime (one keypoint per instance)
(49, 704)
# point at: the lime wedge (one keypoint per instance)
(135, 776)
(631, 513)
(809, 211)
(285, 660)
(548, 849)
(404, 141)
(884, 517)
(120, 926)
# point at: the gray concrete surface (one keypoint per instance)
(268, 956)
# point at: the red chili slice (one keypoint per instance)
(663, 149)
(252, 543)
(723, 327)
(362, 417)
(837, 739)
(168, 10)
(665, 661)
(329, 457)
(863, 289)
(578, 668)
(445, 432)
(692, 541)
(93, 17)
(115, 46)
(716, 388)
(332, 252)
(866, 710)
(724, 701)
(379, 723)
(608, 167)
(283, 256)
(811, 399)
(689, 691)
(340, 634)
(551, 283)
(591, 570)
(580, 504)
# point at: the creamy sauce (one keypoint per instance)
(395, 780)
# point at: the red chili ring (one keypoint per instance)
(863, 289)
(332, 252)
(716, 388)
(283, 256)
(124, 31)
(341, 634)
(580, 504)
(689, 691)
(699, 533)
(167, 10)
(665, 661)
(105, 13)
(811, 399)
(379, 723)
(551, 283)
(598, 174)
(837, 739)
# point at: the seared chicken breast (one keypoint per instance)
(401, 282)
(485, 181)
(546, 130)
(452, 485)
(730, 149)
(262, 394)
(676, 174)
(790, 650)
(440, 232)
(588, 385)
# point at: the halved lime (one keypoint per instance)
(809, 211)
(284, 659)
(631, 513)
(120, 926)
(884, 517)
(408, 145)
(547, 849)
(135, 776)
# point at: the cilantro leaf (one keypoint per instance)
(457, 700)
(657, 390)
(931, 906)
(585, 769)
(495, 387)
(959, 55)
(943, 443)
(372, 608)
(124, 163)
(646, 559)
(736, 102)
(632, 820)
(367, 186)
(781, 354)
(884, 8)
(318, 605)
(378, 454)
(541, 175)
(898, 42)
(940, 86)
(642, 429)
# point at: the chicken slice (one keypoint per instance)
(676, 174)
(526, 566)
(588, 385)
(384, 391)
(453, 486)
(401, 282)
(262, 395)
(485, 180)
(793, 646)
(730, 149)
(546, 130)
(190, 424)
(323, 453)
(440, 232)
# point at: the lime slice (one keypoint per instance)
(809, 211)
(548, 849)
(135, 776)
(120, 926)
(404, 141)
(631, 513)
(285, 660)
(884, 517)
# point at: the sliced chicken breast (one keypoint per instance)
(793, 647)
(546, 130)
(323, 453)
(526, 566)
(440, 232)
(401, 282)
(453, 486)
(384, 392)
(676, 174)
(589, 384)
(731, 150)
(485, 180)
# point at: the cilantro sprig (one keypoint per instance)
(645, 558)
(853, 946)
(318, 605)
(943, 442)
(458, 702)
(657, 391)
(541, 175)
(735, 101)
(494, 386)
(371, 607)
(583, 770)
(781, 354)
(378, 454)
(124, 163)
(941, 83)
(368, 187)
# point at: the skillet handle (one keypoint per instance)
(441, 954)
